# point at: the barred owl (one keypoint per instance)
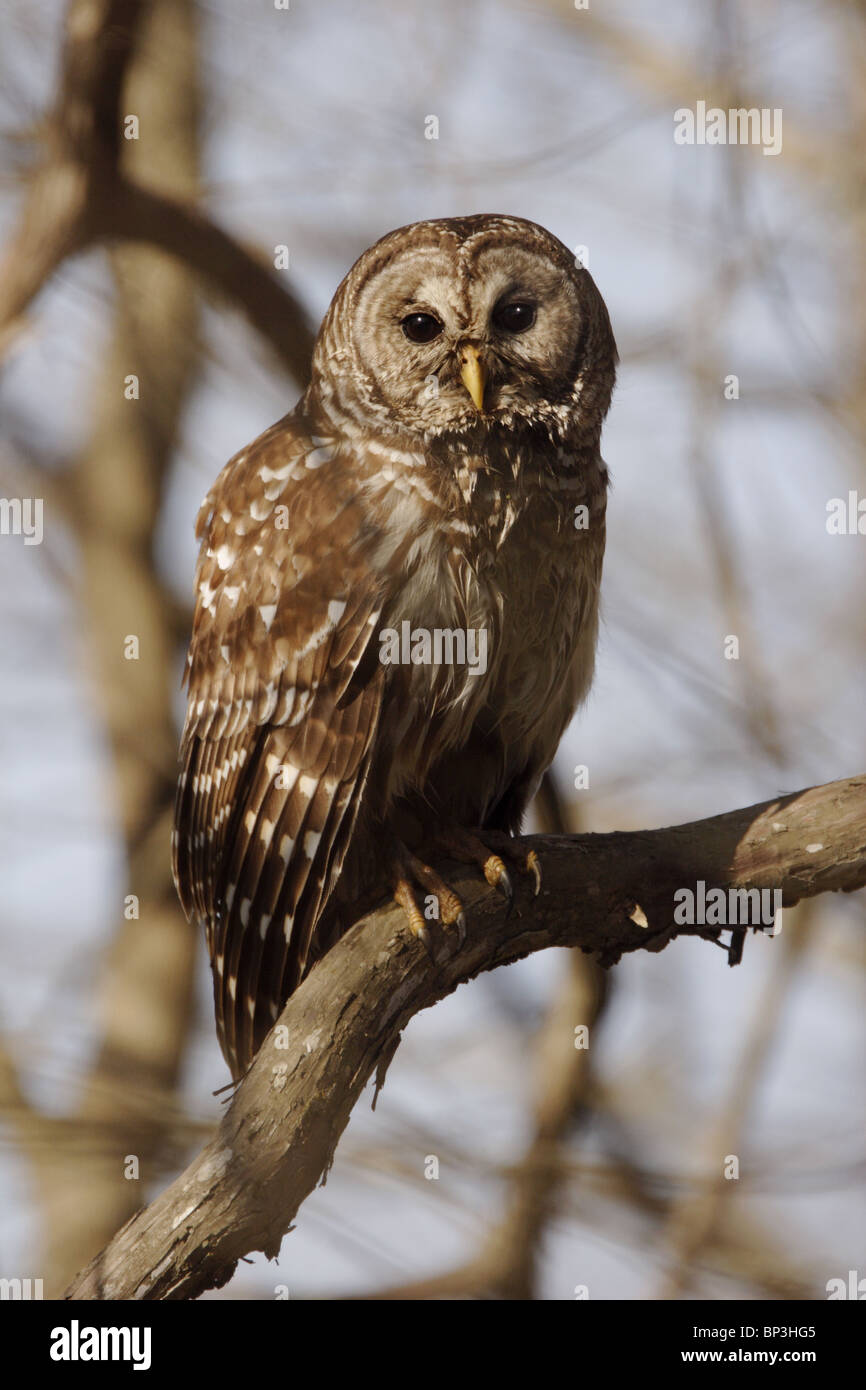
(396, 607)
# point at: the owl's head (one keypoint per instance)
(464, 324)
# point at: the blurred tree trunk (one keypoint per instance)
(146, 989)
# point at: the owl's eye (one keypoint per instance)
(421, 328)
(515, 317)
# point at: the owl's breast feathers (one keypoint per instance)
(516, 552)
(311, 548)
(512, 547)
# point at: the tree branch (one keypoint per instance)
(125, 1104)
(138, 214)
(80, 196)
(506, 1264)
(81, 151)
(279, 1134)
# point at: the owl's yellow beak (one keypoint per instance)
(472, 374)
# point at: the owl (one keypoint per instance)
(396, 606)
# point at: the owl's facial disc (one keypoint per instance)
(454, 334)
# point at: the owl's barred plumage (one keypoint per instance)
(388, 497)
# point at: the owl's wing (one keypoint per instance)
(283, 709)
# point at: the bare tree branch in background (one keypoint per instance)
(674, 78)
(608, 894)
(82, 139)
(692, 1220)
(694, 1215)
(93, 186)
(82, 195)
(116, 486)
(239, 274)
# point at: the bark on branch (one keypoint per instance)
(279, 1134)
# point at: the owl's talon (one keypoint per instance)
(528, 864)
(404, 896)
(506, 888)
(407, 870)
(533, 866)
(497, 876)
(470, 848)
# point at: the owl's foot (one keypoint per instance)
(527, 864)
(468, 848)
(409, 872)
